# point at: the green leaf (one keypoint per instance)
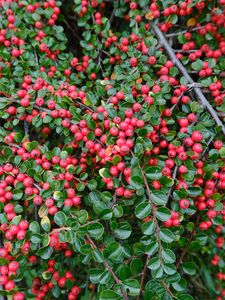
(114, 250)
(194, 191)
(209, 282)
(222, 152)
(163, 214)
(154, 263)
(132, 286)
(45, 223)
(168, 256)
(106, 196)
(82, 216)
(7, 152)
(96, 230)
(17, 194)
(136, 266)
(98, 256)
(153, 173)
(166, 235)
(60, 218)
(180, 285)
(45, 253)
(185, 297)
(99, 276)
(123, 230)
(148, 228)
(118, 211)
(189, 268)
(152, 248)
(36, 238)
(94, 196)
(159, 197)
(109, 295)
(169, 269)
(136, 180)
(34, 227)
(142, 210)
(197, 65)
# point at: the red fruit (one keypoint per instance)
(3, 252)
(43, 47)
(9, 208)
(62, 282)
(37, 200)
(13, 266)
(184, 203)
(133, 61)
(9, 285)
(152, 60)
(145, 89)
(76, 290)
(197, 136)
(218, 144)
(183, 122)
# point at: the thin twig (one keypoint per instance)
(82, 104)
(185, 250)
(154, 210)
(26, 128)
(59, 229)
(112, 16)
(183, 51)
(184, 31)
(13, 145)
(143, 278)
(174, 177)
(184, 72)
(75, 35)
(167, 288)
(108, 267)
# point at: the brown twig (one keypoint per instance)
(167, 289)
(174, 177)
(109, 268)
(154, 210)
(184, 31)
(184, 72)
(185, 250)
(143, 274)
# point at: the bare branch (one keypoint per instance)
(184, 72)
(184, 31)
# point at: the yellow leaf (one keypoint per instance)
(139, 80)
(45, 223)
(113, 77)
(191, 22)
(149, 16)
(43, 211)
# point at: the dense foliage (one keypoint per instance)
(112, 166)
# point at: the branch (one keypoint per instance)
(143, 278)
(59, 229)
(184, 72)
(174, 177)
(112, 16)
(167, 289)
(26, 128)
(108, 267)
(154, 210)
(184, 31)
(185, 250)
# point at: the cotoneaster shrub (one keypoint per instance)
(112, 172)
